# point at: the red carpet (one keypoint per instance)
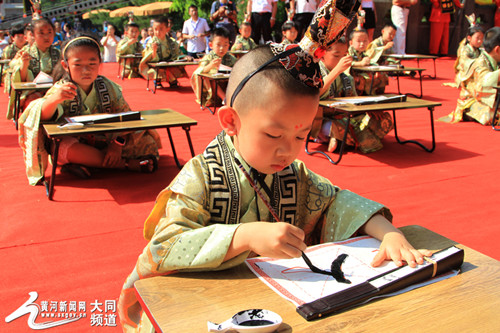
(81, 246)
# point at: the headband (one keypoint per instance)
(79, 38)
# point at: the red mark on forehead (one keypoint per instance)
(298, 126)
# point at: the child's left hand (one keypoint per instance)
(395, 247)
(388, 45)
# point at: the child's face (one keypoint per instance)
(220, 45)
(151, 32)
(133, 32)
(388, 34)
(83, 66)
(144, 33)
(19, 39)
(333, 54)
(269, 139)
(359, 41)
(476, 40)
(291, 34)
(44, 36)
(160, 30)
(245, 31)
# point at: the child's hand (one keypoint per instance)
(215, 63)
(395, 247)
(25, 58)
(344, 63)
(388, 45)
(365, 61)
(67, 91)
(238, 46)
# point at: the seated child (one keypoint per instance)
(211, 213)
(42, 56)
(468, 50)
(219, 45)
(477, 95)
(18, 42)
(365, 130)
(29, 34)
(289, 32)
(82, 91)
(162, 48)
(243, 41)
(358, 51)
(130, 44)
(383, 45)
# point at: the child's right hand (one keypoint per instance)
(344, 63)
(365, 61)
(67, 91)
(215, 63)
(25, 58)
(275, 240)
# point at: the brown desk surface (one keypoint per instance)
(21, 86)
(465, 303)
(410, 56)
(151, 119)
(411, 103)
(217, 76)
(377, 69)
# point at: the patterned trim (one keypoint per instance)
(76, 106)
(35, 59)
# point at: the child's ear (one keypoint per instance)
(64, 65)
(210, 45)
(229, 120)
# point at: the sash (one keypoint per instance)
(35, 65)
(224, 186)
(347, 88)
(76, 106)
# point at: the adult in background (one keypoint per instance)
(110, 42)
(399, 14)
(223, 14)
(262, 16)
(440, 25)
(302, 12)
(370, 17)
(194, 32)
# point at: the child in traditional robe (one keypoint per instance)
(365, 131)
(18, 42)
(82, 91)
(162, 48)
(468, 50)
(243, 41)
(42, 56)
(130, 44)
(383, 46)
(358, 51)
(477, 95)
(210, 63)
(212, 216)
(289, 32)
(29, 34)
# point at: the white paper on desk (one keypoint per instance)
(224, 68)
(96, 117)
(358, 100)
(43, 78)
(380, 67)
(293, 280)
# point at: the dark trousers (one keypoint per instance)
(303, 20)
(261, 26)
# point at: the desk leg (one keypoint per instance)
(430, 76)
(421, 88)
(215, 95)
(55, 155)
(155, 81)
(123, 67)
(497, 101)
(371, 83)
(1, 74)
(186, 129)
(17, 106)
(342, 145)
(173, 148)
(429, 150)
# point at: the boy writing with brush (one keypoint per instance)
(211, 217)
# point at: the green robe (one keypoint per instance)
(243, 44)
(363, 81)
(168, 50)
(131, 65)
(477, 95)
(375, 51)
(194, 219)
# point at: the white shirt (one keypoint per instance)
(304, 6)
(110, 49)
(259, 6)
(195, 28)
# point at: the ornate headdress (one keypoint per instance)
(471, 19)
(301, 60)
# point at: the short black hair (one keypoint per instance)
(17, 29)
(131, 25)
(491, 39)
(219, 32)
(161, 20)
(273, 75)
(193, 6)
(288, 25)
(473, 29)
(355, 31)
(28, 27)
(389, 24)
(42, 20)
(245, 24)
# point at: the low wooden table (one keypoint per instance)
(122, 62)
(238, 53)
(372, 70)
(161, 118)
(19, 88)
(215, 80)
(184, 302)
(350, 110)
(415, 56)
(162, 64)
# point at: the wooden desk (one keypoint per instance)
(372, 70)
(238, 53)
(3, 62)
(415, 56)
(19, 88)
(350, 110)
(122, 62)
(163, 64)
(214, 80)
(464, 303)
(161, 118)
